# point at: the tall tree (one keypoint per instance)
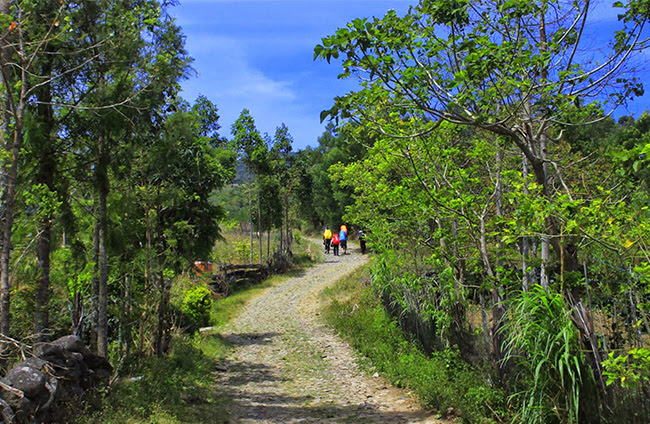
(25, 38)
(180, 171)
(511, 68)
(138, 59)
(248, 142)
(281, 154)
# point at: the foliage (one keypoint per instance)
(197, 304)
(174, 389)
(488, 174)
(545, 345)
(321, 196)
(631, 369)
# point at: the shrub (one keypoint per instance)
(197, 303)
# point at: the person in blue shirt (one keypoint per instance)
(343, 238)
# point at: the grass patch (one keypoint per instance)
(442, 381)
(178, 388)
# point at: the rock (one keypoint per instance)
(48, 350)
(39, 389)
(26, 379)
(71, 343)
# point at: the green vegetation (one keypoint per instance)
(442, 381)
(177, 388)
(491, 169)
(180, 387)
(507, 212)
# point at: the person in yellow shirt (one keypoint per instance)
(327, 239)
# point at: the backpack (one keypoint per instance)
(335, 239)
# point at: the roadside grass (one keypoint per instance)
(180, 388)
(441, 381)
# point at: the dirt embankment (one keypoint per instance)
(289, 367)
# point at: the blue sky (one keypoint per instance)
(258, 54)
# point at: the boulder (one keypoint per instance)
(38, 389)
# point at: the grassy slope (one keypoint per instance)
(442, 381)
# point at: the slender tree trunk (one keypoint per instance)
(250, 216)
(525, 240)
(42, 297)
(162, 330)
(459, 312)
(268, 241)
(8, 205)
(11, 142)
(286, 223)
(498, 308)
(94, 297)
(542, 177)
(45, 176)
(102, 256)
(161, 340)
(259, 223)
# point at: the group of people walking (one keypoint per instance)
(339, 241)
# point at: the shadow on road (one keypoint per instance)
(247, 339)
(251, 397)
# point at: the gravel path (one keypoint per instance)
(288, 367)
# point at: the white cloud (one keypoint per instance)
(257, 54)
(233, 83)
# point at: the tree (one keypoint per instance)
(179, 172)
(519, 73)
(31, 31)
(511, 68)
(282, 170)
(248, 142)
(326, 202)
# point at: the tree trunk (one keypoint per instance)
(102, 256)
(42, 297)
(250, 216)
(11, 142)
(499, 310)
(525, 240)
(45, 176)
(94, 289)
(8, 204)
(161, 340)
(259, 223)
(287, 226)
(77, 315)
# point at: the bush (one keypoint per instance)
(554, 378)
(197, 303)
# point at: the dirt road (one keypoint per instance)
(289, 367)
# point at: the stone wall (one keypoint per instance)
(42, 388)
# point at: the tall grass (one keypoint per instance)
(545, 345)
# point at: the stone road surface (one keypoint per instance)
(287, 366)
